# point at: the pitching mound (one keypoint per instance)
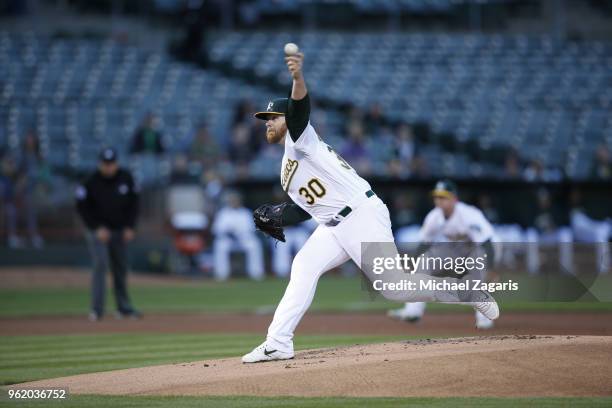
(477, 366)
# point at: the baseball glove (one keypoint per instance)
(268, 219)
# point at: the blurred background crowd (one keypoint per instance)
(510, 98)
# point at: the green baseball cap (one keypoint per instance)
(445, 188)
(275, 107)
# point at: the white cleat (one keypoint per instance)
(403, 315)
(262, 353)
(488, 306)
(485, 325)
(482, 323)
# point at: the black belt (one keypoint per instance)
(346, 211)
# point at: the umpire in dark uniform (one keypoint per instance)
(108, 204)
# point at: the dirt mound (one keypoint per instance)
(476, 366)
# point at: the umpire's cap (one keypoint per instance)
(275, 107)
(108, 155)
(445, 188)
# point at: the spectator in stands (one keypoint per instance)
(148, 139)
(353, 149)
(386, 138)
(193, 46)
(242, 148)
(243, 117)
(406, 162)
(512, 166)
(419, 167)
(353, 119)
(234, 230)
(374, 120)
(317, 115)
(243, 111)
(183, 171)
(108, 205)
(602, 165)
(256, 128)
(8, 185)
(536, 171)
(405, 145)
(204, 148)
(249, 12)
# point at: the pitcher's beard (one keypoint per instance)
(272, 136)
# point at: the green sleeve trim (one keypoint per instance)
(293, 214)
(298, 115)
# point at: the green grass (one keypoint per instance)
(199, 296)
(27, 358)
(333, 294)
(86, 401)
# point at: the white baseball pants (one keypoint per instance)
(327, 248)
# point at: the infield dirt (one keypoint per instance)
(502, 366)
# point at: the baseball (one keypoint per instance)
(291, 49)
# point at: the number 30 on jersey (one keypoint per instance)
(313, 190)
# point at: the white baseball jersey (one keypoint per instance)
(467, 223)
(317, 178)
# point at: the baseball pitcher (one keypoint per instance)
(325, 187)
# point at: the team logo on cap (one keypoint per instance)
(440, 185)
(270, 106)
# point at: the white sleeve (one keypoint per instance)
(427, 233)
(479, 228)
(308, 140)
